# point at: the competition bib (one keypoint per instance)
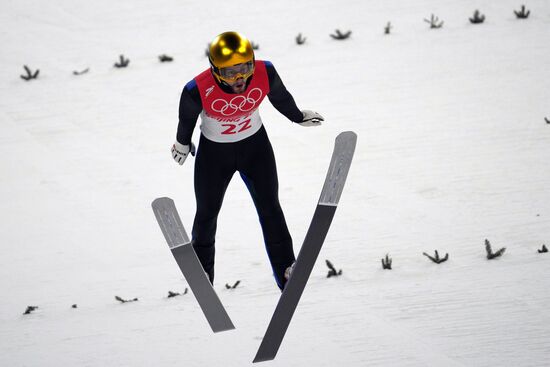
(229, 117)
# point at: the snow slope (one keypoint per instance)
(452, 149)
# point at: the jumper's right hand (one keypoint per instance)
(180, 152)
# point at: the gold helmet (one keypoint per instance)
(231, 57)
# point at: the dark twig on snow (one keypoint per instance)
(81, 72)
(543, 249)
(547, 121)
(125, 300)
(233, 286)
(300, 40)
(255, 46)
(165, 58)
(523, 13)
(30, 309)
(478, 18)
(341, 36)
(490, 254)
(175, 294)
(434, 22)
(332, 270)
(122, 63)
(30, 75)
(386, 263)
(387, 28)
(74, 306)
(436, 259)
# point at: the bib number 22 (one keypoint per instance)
(236, 128)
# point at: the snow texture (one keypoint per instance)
(453, 149)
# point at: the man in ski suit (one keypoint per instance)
(227, 96)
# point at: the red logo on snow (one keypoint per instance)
(238, 103)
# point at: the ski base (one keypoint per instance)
(296, 284)
(322, 218)
(189, 264)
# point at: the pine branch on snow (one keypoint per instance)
(523, 13)
(387, 28)
(332, 272)
(122, 63)
(30, 309)
(341, 36)
(436, 259)
(490, 254)
(300, 40)
(165, 58)
(121, 300)
(175, 294)
(233, 286)
(478, 18)
(30, 75)
(386, 263)
(81, 72)
(434, 22)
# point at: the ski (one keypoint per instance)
(326, 207)
(188, 262)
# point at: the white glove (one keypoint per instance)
(311, 118)
(180, 152)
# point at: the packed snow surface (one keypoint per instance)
(453, 149)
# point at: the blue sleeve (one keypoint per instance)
(280, 97)
(189, 110)
(192, 84)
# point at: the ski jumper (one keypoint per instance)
(233, 139)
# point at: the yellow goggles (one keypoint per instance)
(235, 72)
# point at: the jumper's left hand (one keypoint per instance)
(311, 118)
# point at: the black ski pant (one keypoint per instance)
(253, 158)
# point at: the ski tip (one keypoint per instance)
(161, 200)
(348, 139)
(347, 135)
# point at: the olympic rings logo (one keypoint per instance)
(237, 103)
